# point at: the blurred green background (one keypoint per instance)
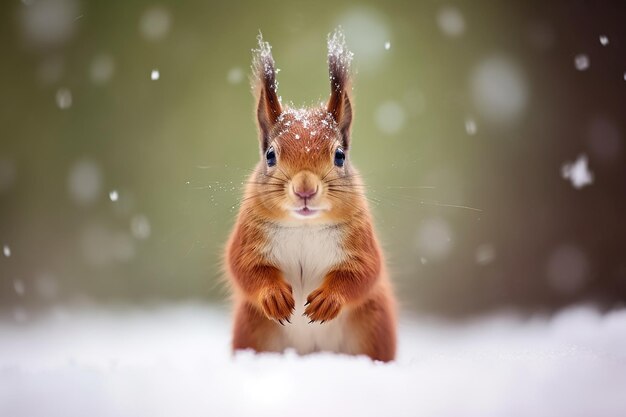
(127, 131)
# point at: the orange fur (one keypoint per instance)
(355, 289)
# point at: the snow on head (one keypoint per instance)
(338, 52)
(578, 172)
(263, 63)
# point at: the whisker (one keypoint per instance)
(325, 175)
(416, 187)
(340, 178)
(438, 204)
(347, 185)
(283, 172)
(267, 183)
(372, 199)
(260, 194)
(343, 201)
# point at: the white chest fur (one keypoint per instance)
(305, 254)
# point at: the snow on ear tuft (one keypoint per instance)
(265, 86)
(339, 62)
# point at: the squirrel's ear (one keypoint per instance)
(339, 60)
(265, 85)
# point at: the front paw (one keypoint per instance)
(277, 302)
(323, 305)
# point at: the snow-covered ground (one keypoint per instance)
(175, 361)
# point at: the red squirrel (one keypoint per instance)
(305, 266)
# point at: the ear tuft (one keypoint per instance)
(265, 87)
(339, 72)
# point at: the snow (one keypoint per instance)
(18, 286)
(366, 28)
(155, 23)
(582, 62)
(235, 75)
(263, 59)
(485, 254)
(390, 117)
(84, 181)
(155, 75)
(140, 227)
(47, 23)
(113, 195)
(499, 90)
(578, 172)
(176, 361)
(434, 238)
(102, 68)
(451, 21)
(387, 45)
(8, 174)
(337, 49)
(6, 250)
(470, 126)
(604, 40)
(64, 98)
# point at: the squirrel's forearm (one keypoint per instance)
(252, 278)
(354, 279)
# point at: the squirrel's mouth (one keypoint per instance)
(306, 212)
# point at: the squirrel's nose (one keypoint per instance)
(305, 193)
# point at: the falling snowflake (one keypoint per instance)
(470, 126)
(578, 172)
(581, 62)
(604, 40)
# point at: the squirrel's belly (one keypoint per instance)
(305, 255)
(332, 336)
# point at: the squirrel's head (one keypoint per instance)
(305, 173)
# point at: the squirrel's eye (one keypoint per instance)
(270, 156)
(340, 157)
